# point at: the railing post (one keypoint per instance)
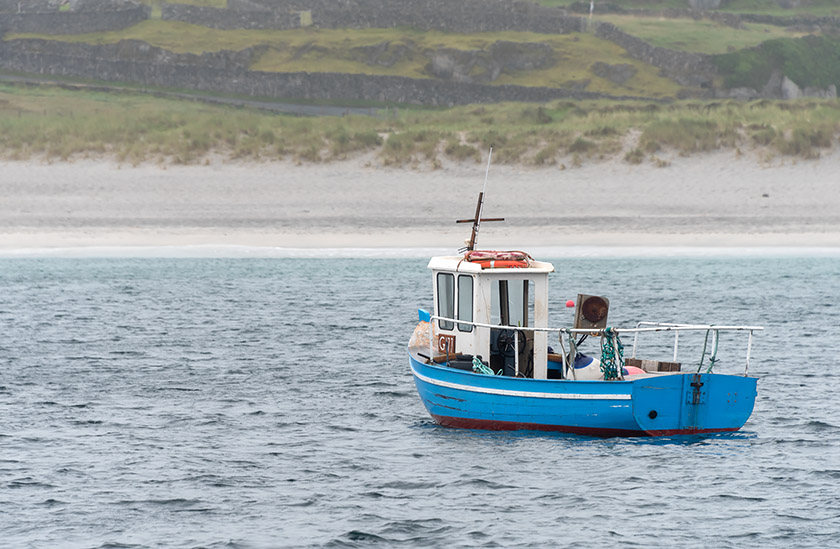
(676, 343)
(432, 340)
(564, 356)
(635, 340)
(516, 351)
(749, 349)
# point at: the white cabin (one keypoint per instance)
(489, 297)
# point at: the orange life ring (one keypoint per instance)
(502, 264)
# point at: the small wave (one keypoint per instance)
(343, 428)
(51, 503)
(405, 485)
(819, 426)
(357, 536)
(175, 503)
(829, 473)
(28, 483)
(480, 483)
(397, 394)
(426, 527)
(738, 498)
(305, 503)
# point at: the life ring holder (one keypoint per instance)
(494, 259)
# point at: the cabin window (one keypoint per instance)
(512, 302)
(465, 302)
(446, 299)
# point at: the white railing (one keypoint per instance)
(641, 327)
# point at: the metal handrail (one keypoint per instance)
(641, 327)
(596, 331)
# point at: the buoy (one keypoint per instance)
(570, 303)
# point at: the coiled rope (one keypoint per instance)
(612, 355)
(480, 368)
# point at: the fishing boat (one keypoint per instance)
(485, 358)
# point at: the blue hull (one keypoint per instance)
(650, 406)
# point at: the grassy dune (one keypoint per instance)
(65, 125)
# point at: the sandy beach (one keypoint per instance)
(714, 200)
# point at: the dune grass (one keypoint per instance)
(59, 124)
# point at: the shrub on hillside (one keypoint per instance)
(809, 61)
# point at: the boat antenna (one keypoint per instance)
(476, 221)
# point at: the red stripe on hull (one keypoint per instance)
(497, 425)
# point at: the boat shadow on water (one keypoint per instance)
(427, 427)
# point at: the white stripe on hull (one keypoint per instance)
(507, 392)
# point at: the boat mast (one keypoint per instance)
(476, 221)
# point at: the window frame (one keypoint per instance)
(445, 324)
(467, 328)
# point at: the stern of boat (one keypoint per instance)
(693, 403)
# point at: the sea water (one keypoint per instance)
(268, 403)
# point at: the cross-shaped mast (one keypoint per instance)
(476, 221)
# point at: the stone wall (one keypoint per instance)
(730, 19)
(218, 18)
(443, 15)
(688, 69)
(704, 4)
(828, 23)
(735, 20)
(227, 72)
(73, 22)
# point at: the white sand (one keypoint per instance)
(712, 200)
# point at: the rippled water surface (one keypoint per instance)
(269, 403)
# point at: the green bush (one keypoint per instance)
(581, 145)
(635, 156)
(546, 155)
(763, 135)
(809, 61)
(455, 149)
(805, 142)
(684, 134)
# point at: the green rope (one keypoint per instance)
(612, 356)
(712, 357)
(480, 368)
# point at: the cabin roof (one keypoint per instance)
(458, 264)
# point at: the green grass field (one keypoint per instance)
(768, 7)
(133, 128)
(703, 36)
(338, 50)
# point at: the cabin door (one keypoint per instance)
(512, 304)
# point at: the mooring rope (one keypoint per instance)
(713, 356)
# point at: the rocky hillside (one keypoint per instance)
(436, 52)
